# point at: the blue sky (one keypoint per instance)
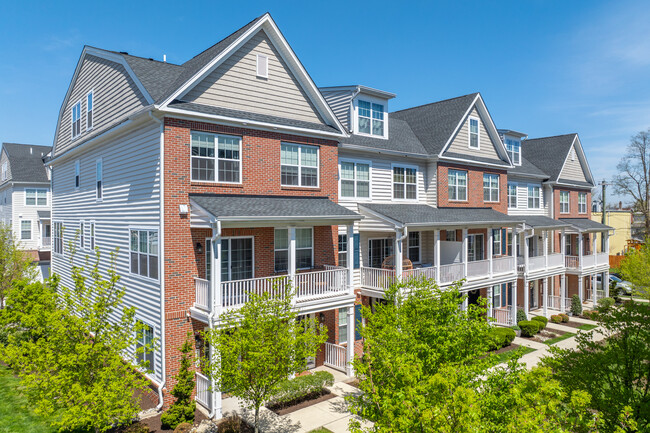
(543, 67)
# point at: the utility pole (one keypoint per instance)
(602, 202)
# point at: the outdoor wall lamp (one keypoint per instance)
(321, 316)
(199, 248)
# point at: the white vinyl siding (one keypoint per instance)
(572, 169)
(461, 142)
(340, 101)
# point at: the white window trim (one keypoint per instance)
(466, 186)
(300, 147)
(77, 174)
(92, 236)
(344, 251)
(92, 95)
(149, 229)
(355, 162)
(265, 73)
(391, 239)
(5, 170)
(580, 195)
(518, 141)
(516, 194)
(417, 184)
(216, 159)
(152, 369)
(528, 196)
(100, 161)
(355, 115)
(469, 132)
(47, 201)
(82, 235)
(498, 187)
(31, 228)
(80, 103)
(345, 325)
(568, 202)
(62, 237)
(289, 246)
(252, 238)
(496, 252)
(419, 247)
(476, 235)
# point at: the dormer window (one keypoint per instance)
(76, 119)
(371, 118)
(474, 142)
(514, 150)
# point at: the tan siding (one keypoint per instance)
(572, 168)
(431, 197)
(114, 96)
(339, 102)
(235, 85)
(460, 144)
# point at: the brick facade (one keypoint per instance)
(573, 203)
(474, 187)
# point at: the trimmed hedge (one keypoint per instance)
(521, 315)
(556, 318)
(542, 320)
(565, 317)
(501, 337)
(529, 328)
(300, 388)
(590, 314)
(576, 305)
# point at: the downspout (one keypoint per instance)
(216, 237)
(161, 240)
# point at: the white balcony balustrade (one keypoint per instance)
(602, 259)
(503, 315)
(335, 356)
(478, 268)
(588, 261)
(377, 278)
(555, 260)
(202, 298)
(572, 262)
(320, 284)
(452, 272)
(428, 272)
(503, 265)
(203, 393)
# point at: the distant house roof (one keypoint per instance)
(425, 215)
(26, 162)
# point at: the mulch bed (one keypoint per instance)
(547, 335)
(155, 425)
(512, 346)
(309, 400)
(572, 324)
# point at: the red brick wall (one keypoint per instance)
(474, 187)
(573, 203)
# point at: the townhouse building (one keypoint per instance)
(25, 200)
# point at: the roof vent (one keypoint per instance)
(165, 58)
(31, 150)
(124, 52)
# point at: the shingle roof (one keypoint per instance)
(527, 168)
(434, 123)
(400, 139)
(548, 153)
(157, 77)
(26, 162)
(539, 221)
(247, 206)
(422, 214)
(585, 224)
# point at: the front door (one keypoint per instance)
(236, 259)
(533, 295)
(472, 296)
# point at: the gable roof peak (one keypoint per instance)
(472, 95)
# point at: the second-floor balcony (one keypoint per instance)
(587, 261)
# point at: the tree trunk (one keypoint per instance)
(257, 419)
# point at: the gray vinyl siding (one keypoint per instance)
(235, 85)
(131, 198)
(460, 143)
(572, 169)
(6, 206)
(115, 95)
(4, 158)
(522, 198)
(340, 102)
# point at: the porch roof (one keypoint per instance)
(586, 225)
(424, 215)
(278, 209)
(542, 222)
(43, 214)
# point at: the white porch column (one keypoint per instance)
(515, 239)
(216, 394)
(546, 249)
(514, 301)
(581, 282)
(350, 257)
(292, 262)
(399, 253)
(594, 288)
(490, 313)
(465, 301)
(436, 257)
(563, 246)
(606, 283)
(526, 296)
(465, 253)
(563, 293)
(545, 283)
(215, 271)
(350, 348)
(580, 240)
(490, 250)
(526, 245)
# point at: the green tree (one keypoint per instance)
(14, 263)
(635, 268)
(258, 346)
(615, 372)
(74, 365)
(182, 410)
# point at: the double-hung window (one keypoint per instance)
(371, 118)
(564, 201)
(89, 111)
(512, 195)
(343, 325)
(582, 202)
(91, 238)
(450, 235)
(491, 187)
(514, 150)
(57, 237)
(77, 174)
(496, 296)
(414, 247)
(35, 197)
(457, 184)
(298, 165)
(496, 242)
(144, 253)
(76, 119)
(405, 185)
(216, 158)
(144, 345)
(355, 179)
(343, 250)
(99, 178)
(534, 201)
(475, 247)
(474, 141)
(26, 230)
(304, 249)
(82, 236)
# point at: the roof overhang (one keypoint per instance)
(362, 89)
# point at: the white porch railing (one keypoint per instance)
(202, 299)
(203, 394)
(536, 263)
(452, 272)
(377, 278)
(602, 259)
(46, 242)
(236, 293)
(320, 284)
(478, 268)
(572, 262)
(567, 305)
(600, 293)
(588, 261)
(429, 272)
(503, 265)
(555, 260)
(503, 316)
(335, 356)
(554, 302)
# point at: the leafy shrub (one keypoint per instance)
(4, 337)
(565, 317)
(300, 388)
(605, 304)
(521, 315)
(183, 408)
(529, 327)
(541, 319)
(590, 314)
(500, 337)
(233, 424)
(136, 428)
(556, 318)
(183, 427)
(576, 305)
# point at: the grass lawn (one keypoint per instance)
(321, 430)
(587, 327)
(14, 415)
(506, 356)
(552, 341)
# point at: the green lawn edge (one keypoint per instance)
(15, 415)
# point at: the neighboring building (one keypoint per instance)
(25, 200)
(621, 221)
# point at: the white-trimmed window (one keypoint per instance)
(475, 247)
(237, 258)
(450, 235)
(5, 171)
(343, 250)
(216, 158)
(144, 340)
(77, 174)
(262, 66)
(298, 165)
(491, 187)
(405, 186)
(304, 249)
(91, 238)
(343, 325)
(25, 230)
(57, 237)
(89, 110)
(144, 253)
(496, 296)
(474, 138)
(457, 184)
(564, 202)
(582, 202)
(379, 250)
(514, 150)
(82, 236)
(355, 179)
(512, 195)
(497, 244)
(99, 177)
(371, 118)
(35, 197)
(414, 247)
(76, 119)
(534, 201)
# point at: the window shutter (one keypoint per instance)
(262, 66)
(357, 252)
(357, 322)
(504, 241)
(509, 289)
